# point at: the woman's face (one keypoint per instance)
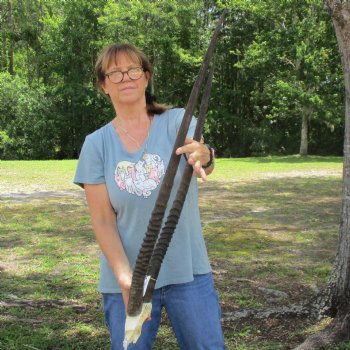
(127, 91)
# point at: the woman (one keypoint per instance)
(121, 166)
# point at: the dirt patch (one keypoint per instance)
(284, 331)
(298, 173)
(233, 291)
(30, 196)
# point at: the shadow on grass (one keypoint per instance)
(276, 233)
(300, 212)
(32, 317)
(279, 234)
(50, 218)
(297, 203)
(49, 254)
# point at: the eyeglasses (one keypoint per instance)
(117, 76)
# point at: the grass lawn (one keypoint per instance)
(269, 223)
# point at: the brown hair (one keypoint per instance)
(111, 53)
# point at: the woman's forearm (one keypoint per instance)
(104, 223)
(110, 243)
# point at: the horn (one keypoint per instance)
(153, 229)
(175, 212)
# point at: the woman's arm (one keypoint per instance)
(104, 224)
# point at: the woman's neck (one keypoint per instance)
(131, 115)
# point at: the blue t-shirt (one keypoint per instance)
(133, 181)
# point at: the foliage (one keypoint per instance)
(290, 67)
(275, 63)
(24, 133)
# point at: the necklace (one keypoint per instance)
(126, 132)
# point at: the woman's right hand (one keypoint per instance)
(125, 285)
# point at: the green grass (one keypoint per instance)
(250, 168)
(55, 175)
(28, 176)
(268, 223)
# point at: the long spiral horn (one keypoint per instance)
(153, 229)
(175, 212)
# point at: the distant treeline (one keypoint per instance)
(278, 86)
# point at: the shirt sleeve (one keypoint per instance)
(191, 128)
(90, 169)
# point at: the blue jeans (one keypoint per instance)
(193, 310)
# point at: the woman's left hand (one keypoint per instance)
(197, 155)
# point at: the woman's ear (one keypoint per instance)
(102, 86)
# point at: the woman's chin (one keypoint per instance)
(130, 99)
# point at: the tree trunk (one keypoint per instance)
(3, 38)
(10, 50)
(304, 143)
(339, 284)
(340, 279)
(336, 298)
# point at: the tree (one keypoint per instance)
(24, 132)
(335, 300)
(70, 45)
(276, 66)
(170, 32)
(21, 26)
(293, 59)
(7, 36)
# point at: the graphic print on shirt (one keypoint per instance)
(140, 178)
